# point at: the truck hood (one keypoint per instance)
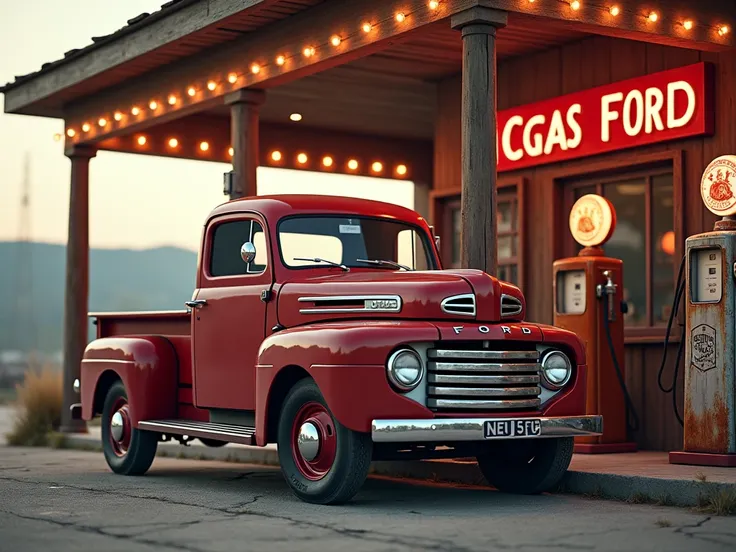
(419, 295)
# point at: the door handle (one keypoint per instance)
(197, 303)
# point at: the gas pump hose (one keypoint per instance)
(630, 410)
(679, 291)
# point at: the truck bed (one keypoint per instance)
(172, 325)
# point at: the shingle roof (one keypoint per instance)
(131, 26)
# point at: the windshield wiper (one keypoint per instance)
(382, 262)
(318, 260)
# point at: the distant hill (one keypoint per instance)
(120, 279)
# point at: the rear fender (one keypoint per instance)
(146, 365)
(347, 361)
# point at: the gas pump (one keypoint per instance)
(710, 333)
(588, 292)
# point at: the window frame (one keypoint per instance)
(207, 279)
(612, 170)
(443, 202)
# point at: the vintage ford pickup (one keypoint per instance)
(328, 326)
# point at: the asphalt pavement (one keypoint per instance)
(63, 500)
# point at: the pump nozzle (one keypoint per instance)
(609, 289)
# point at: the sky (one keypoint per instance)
(135, 201)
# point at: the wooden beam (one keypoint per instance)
(478, 245)
(137, 40)
(244, 106)
(289, 140)
(77, 283)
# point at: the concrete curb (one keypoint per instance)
(633, 489)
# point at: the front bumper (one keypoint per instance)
(475, 429)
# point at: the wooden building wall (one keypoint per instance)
(578, 66)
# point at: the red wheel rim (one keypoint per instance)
(120, 427)
(313, 458)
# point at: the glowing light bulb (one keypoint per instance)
(295, 117)
(401, 170)
(308, 51)
(102, 122)
(723, 30)
(85, 127)
(575, 5)
(377, 167)
(70, 133)
(255, 68)
(615, 10)
(280, 60)
(688, 25)
(327, 161)
(211, 85)
(231, 151)
(335, 41)
(135, 110)
(232, 78)
(204, 146)
(352, 164)
(400, 17)
(118, 116)
(57, 137)
(173, 142)
(192, 91)
(172, 100)
(142, 140)
(653, 17)
(367, 27)
(434, 4)
(153, 105)
(276, 155)
(302, 158)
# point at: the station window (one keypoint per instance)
(227, 239)
(644, 240)
(509, 242)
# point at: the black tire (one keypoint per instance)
(141, 449)
(340, 478)
(212, 443)
(526, 466)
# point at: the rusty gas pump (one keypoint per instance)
(710, 327)
(588, 292)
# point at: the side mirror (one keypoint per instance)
(436, 238)
(248, 252)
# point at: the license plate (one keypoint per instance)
(503, 429)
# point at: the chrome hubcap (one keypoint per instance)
(308, 441)
(116, 426)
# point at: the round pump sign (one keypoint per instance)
(592, 220)
(718, 186)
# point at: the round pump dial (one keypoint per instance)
(592, 220)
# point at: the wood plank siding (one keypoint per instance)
(584, 64)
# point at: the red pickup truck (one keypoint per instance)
(328, 326)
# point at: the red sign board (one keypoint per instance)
(662, 106)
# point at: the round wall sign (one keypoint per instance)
(718, 186)
(592, 220)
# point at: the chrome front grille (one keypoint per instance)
(482, 380)
(510, 306)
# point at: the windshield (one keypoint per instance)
(360, 242)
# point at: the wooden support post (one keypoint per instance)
(478, 148)
(77, 282)
(244, 106)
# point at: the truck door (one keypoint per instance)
(229, 316)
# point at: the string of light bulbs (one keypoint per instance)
(255, 68)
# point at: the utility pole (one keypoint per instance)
(23, 319)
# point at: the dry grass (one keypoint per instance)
(39, 402)
(719, 503)
(663, 522)
(700, 476)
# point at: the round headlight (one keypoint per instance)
(556, 369)
(404, 369)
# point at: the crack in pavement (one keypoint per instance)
(99, 531)
(421, 543)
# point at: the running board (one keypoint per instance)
(221, 432)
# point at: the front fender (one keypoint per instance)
(147, 367)
(347, 361)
